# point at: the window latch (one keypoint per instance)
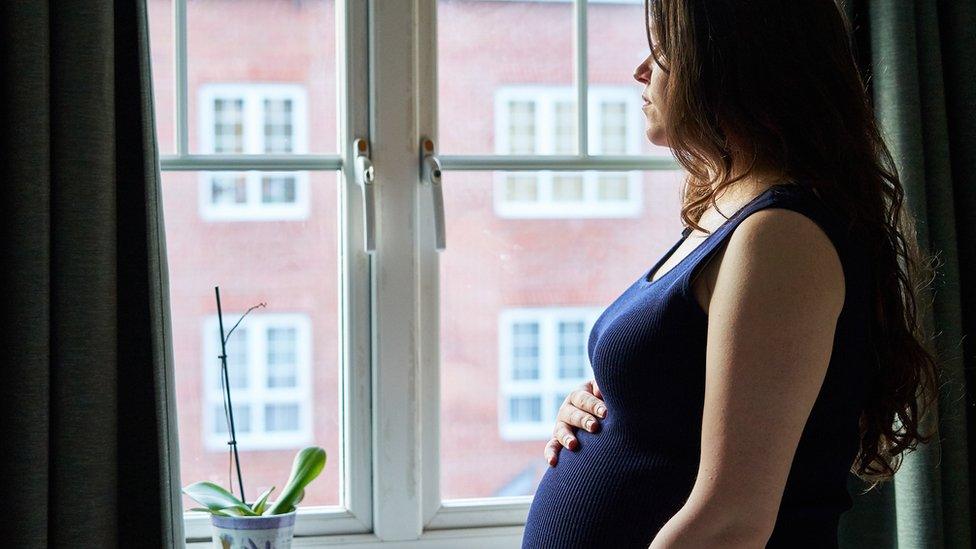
(364, 178)
(431, 175)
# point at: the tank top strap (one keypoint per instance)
(789, 196)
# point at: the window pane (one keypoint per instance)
(525, 351)
(282, 358)
(228, 189)
(278, 127)
(163, 72)
(521, 127)
(281, 417)
(614, 127)
(572, 350)
(242, 419)
(237, 363)
(564, 127)
(617, 45)
(522, 188)
(517, 298)
(567, 188)
(525, 409)
(277, 189)
(277, 58)
(558, 402)
(487, 104)
(612, 186)
(228, 125)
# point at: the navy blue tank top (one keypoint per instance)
(647, 349)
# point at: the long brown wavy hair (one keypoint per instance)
(776, 84)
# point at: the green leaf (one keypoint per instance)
(217, 512)
(308, 463)
(259, 505)
(238, 512)
(215, 498)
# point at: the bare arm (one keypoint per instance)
(771, 322)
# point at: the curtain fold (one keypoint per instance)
(921, 58)
(90, 456)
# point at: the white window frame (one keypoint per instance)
(549, 383)
(545, 99)
(389, 381)
(257, 393)
(253, 96)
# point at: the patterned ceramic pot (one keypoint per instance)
(264, 532)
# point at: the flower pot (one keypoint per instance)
(264, 532)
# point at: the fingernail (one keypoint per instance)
(567, 440)
(589, 424)
(601, 411)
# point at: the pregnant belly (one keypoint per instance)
(606, 494)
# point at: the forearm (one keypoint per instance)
(693, 529)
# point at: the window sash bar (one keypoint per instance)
(284, 162)
(180, 74)
(581, 76)
(556, 162)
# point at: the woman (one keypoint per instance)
(768, 353)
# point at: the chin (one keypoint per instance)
(656, 137)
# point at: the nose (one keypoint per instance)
(643, 71)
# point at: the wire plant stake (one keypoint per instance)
(225, 383)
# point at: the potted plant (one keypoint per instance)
(262, 524)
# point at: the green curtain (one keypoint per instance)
(921, 58)
(89, 454)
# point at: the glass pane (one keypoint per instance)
(276, 61)
(242, 419)
(281, 417)
(163, 72)
(516, 313)
(612, 186)
(506, 94)
(525, 409)
(617, 45)
(278, 189)
(572, 350)
(525, 350)
(282, 357)
(567, 187)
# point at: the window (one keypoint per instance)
(268, 367)
(544, 357)
(542, 120)
(252, 96)
(253, 119)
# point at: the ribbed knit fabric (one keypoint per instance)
(647, 348)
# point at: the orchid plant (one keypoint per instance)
(308, 463)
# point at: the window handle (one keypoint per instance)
(364, 178)
(431, 174)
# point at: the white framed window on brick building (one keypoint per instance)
(541, 120)
(256, 118)
(269, 373)
(543, 357)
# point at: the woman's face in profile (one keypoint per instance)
(655, 83)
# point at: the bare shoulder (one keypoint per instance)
(778, 244)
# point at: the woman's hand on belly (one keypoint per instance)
(582, 408)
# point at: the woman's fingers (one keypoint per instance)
(572, 415)
(585, 400)
(565, 435)
(552, 451)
